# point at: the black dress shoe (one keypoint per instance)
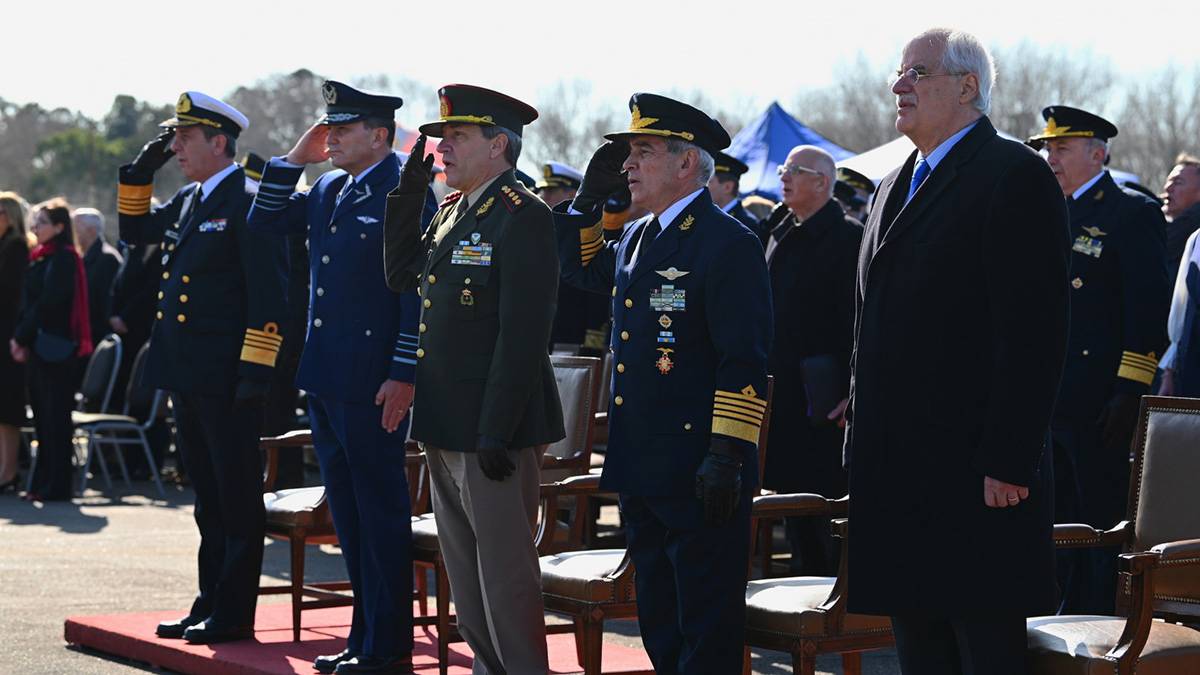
(208, 633)
(174, 629)
(327, 664)
(376, 665)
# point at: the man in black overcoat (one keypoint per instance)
(960, 340)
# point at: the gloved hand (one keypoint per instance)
(494, 460)
(154, 154)
(603, 176)
(250, 393)
(1118, 420)
(719, 481)
(417, 170)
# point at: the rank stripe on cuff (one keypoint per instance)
(259, 355)
(738, 412)
(614, 221)
(271, 335)
(735, 428)
(1138, 367)
(134, 200)
(746, 397)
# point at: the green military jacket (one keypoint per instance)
(488, 294)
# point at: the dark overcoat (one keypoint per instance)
(960, 338)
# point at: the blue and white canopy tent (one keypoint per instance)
(764, 144)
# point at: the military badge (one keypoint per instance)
(666, 337)
(1095, 231)
(671, 273)
(184, 104)
(486, 205)
(664, 321)
(214, 225)
(329, 93)
(668, 299)
(475, 236)
(1077, 283)
(687, 223)
(466, 299)
(367, 220)
(1088, 246)
(468, 253)
(664, 362)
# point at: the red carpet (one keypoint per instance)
(131, 636)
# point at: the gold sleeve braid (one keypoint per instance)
(262, 346)
(134, 200)
(1138, 367)
(738, 414)
(591, 240)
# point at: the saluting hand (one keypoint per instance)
(417, 170)
(155, 154)
(998, 494)
(311, 148)
(603, 176)
(396, 398)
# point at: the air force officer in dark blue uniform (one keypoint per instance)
(692, 328)
(358, 362)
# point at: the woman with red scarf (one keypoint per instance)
(52, 334)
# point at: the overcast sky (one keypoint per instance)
(81, 54)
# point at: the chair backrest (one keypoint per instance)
(140, 398)
(578, 380)
(763, 433)
(95, 391)
(1164, 495)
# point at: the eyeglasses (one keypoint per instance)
(915, 76)
(794, 170)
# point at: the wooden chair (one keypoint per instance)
(301, 516)
(1159, 585)
(806, 616)
(593, 586)
(578, 379)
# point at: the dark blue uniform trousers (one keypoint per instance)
(365, 482)
(219, 446)
(691, 583)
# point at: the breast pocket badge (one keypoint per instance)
(467, 299)
(214, 225)
(668, 299)
(472, 252)
(1088, 246)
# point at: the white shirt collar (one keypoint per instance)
(672, 212)
(729, 207)
(939, 153)
(1087, 186)
(208, 186)
(360, 177)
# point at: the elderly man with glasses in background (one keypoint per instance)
(960, 340)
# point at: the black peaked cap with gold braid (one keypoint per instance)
(655, 115)
(728, 164)
(468, 104)
(1067, 122)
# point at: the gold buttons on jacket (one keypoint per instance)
(170, 247)
(420, 353)
(181, 318)
(617, 400)
(624, 335)
(325, 259)
(158, 315)
(166, 275)
(316, 323)
(628, 302)
(368, 332)
(187, 279)
(333, 229)
(432, 279)
(320, 291)
(620, 367)
(427, 303)
(422, 328)
(160, 295)
(1077, 283)
(183, 298)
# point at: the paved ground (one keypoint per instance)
(121, 551)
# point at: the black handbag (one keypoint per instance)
(52, 348)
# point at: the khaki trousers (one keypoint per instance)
(485, 530)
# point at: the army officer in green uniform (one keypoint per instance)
(486, 403)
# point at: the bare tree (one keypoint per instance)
(280, 108)
(857, 112)
(571, 124)
(1031, 77)
(1157, 122)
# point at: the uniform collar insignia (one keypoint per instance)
(687, 223)
(486, 205)
(671, 273)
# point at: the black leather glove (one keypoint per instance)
(719, 481)
(603, 176)
(154, 154)
(250, 393)
(493, 459)
(1118, 420)
(417, 171)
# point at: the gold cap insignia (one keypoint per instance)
(444, 104)
(330, 94)
(184, 104)
(640, 122)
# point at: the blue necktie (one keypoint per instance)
(919, 175)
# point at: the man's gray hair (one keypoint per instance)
(677, 146)
(89, 217)
(1100, 144)
(963, 54)
(513, 151)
